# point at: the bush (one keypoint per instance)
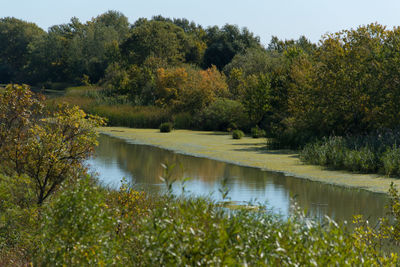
(256, 132)
(166, 127)
(78, 229)
(183, 120)
(237, 134)
(330, 152)
(362, 160)
(391, 161)
(196, 232)
(223, 113)
(363, 153)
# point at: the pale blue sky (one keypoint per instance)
(286, 18)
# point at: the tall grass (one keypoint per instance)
(132, 116)
(87, 225)
(377, 152)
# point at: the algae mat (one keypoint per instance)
(249, 152)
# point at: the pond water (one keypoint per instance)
(141, 164)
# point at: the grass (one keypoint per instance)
(117, 114)
(373, 153)
(87, 225)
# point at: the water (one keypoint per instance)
(141, 164)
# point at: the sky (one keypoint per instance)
(286, 19)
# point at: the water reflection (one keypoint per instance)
(116, 158)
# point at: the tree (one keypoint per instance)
(223, 44)
(160, 39)
(189, 89)
(349, 85)
(48, 148)
(15, 37)
(256, 99)
(72, 50)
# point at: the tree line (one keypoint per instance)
(296, 90)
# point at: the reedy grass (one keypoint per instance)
(377, 152)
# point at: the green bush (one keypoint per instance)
(222, 113)
(345, 153)
(362, 160)
(237, 134)
(78, 229)
(197, 232)
(256, 132)
(183, 120)
(166, 127)
(86, 225)
(391, 161)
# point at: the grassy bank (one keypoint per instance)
(249, 152)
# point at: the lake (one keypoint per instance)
(141, 165)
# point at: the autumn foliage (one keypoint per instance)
(47, 147)
(189, 89)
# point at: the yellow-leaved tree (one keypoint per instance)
(47, 147)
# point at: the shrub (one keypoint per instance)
(330, 152)
(391, 161)
(256, 132)
(362, 160)
(166, 127)
(195, 231)
(237, 134)
(362, 153)
(183, 120)
(78, 229)
(222, 114)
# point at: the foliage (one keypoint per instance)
(252, 61)
(129, 116)
(48, 148)
(69, 51)
(160, 39)
(19, 215)
(376, 152)
(223, 44)
(189, 89)
(346, 86)
(256, 99)
(15, 38)
(78, 229)
(183, 120)
(237, 134)
(222, 113)
(85, 225)
(166, 127)
(256, 132)
(391, 161)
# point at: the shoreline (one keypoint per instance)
(249, 152)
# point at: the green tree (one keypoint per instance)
(256, 98)
(15, 37)
(223, 44)
(159, 39)
(72, 50)
(348, 85)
